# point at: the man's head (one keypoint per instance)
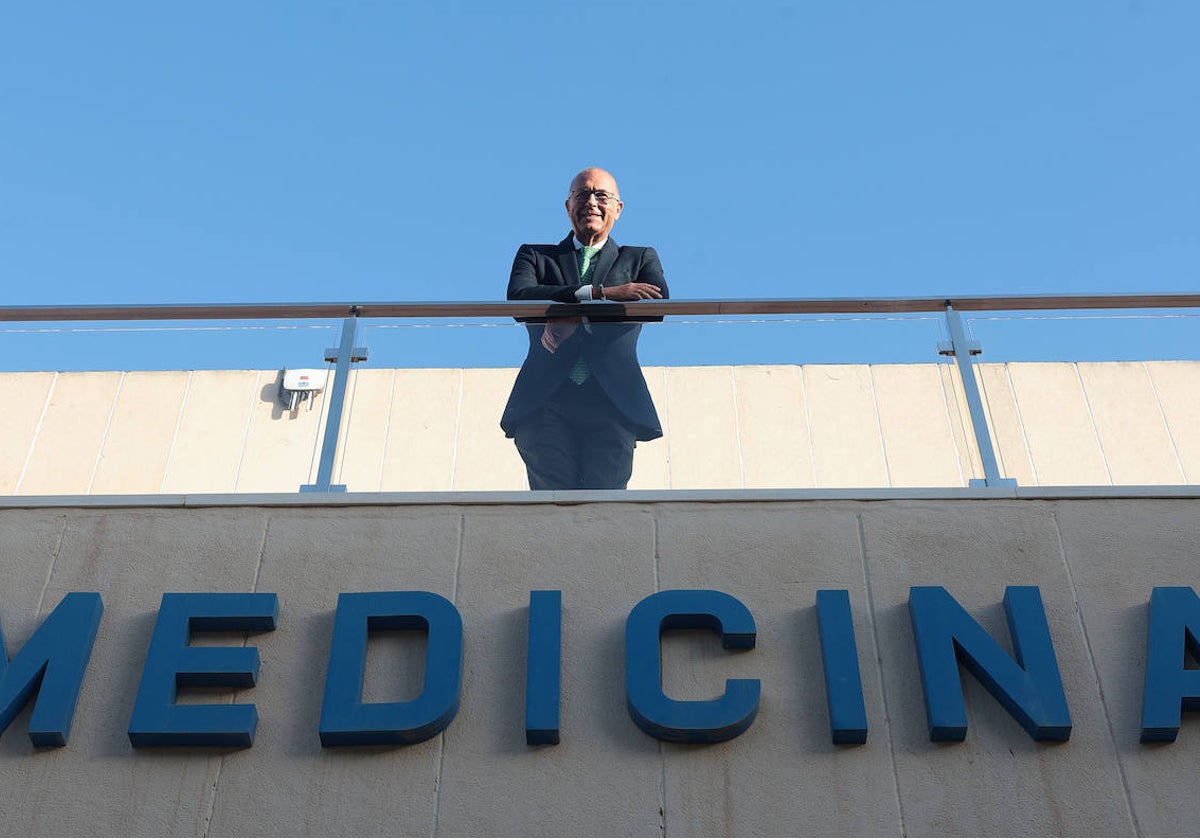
(593, 205)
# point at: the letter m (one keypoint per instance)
(1029, 688)
(51, 664)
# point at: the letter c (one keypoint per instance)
(687, 721)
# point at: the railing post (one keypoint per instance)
(962, 350)
(344, 354)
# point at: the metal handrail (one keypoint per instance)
(533, 309)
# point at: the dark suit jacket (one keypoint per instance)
(551, 272)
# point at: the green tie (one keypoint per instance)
(579, 372)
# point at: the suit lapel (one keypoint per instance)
(604, 262)
(568, 262)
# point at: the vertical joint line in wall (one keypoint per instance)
(737, 427)
(662, 789)
(211, 805)
(1092, 419)
(1163, 415)
(657, 563)
(887, 472)
(344, 431)
(112, 409)
(36, 433)
(262, 553)
(216, 782)
(862, 549)
(50, 568)
(812, 454)
(187, 390)
(254, 389)
(662, 756)
(387, 429)
(962, 479)
(1021, 424)
(666, 423)
(462, 381)
(1087, 644)
(441, 759)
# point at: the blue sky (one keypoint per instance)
(191, 152)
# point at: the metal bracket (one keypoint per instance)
(357, 354)
(344, 355)
(966, 372)
(946, 348)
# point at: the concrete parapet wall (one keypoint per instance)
(753, 426)
(1094, 560)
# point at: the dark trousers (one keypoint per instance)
(576, 441)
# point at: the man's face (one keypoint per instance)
(592, 217)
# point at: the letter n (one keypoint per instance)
(1029, 688)
(51, 664)
(1170, 687)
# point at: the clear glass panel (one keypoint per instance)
(165, 345)
(741, 402)
(160, 407)
(721, 402)
(1089, 398)
(1086, 335)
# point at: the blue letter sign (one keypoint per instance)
(51, 663)
(691, 721)
(543, 668)
(1030, 688)
(1170, 688)
(171, 663)
(345, 719)
(843, 681)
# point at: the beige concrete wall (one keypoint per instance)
(1094, 560)
(754, 426)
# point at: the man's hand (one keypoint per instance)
(558, 331)
(633, 291)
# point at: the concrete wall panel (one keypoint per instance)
(71, 433)
(747, 426)
(99, 784)
(1118, 551)
(998, 775)
(651, 467)
(365, 423)
(284, 445)
(958, 415)
(1133, 434)
(917, 438)
(141, 432)
(1177, 388)
(772, 419)
(423, 426)
(704, 430)
(211, 438)
(844, 424)
(486, 459)
(1058, 425)
(23, 396)
(1095, 562)
(309, 556)
(782, 777)
(603, 561)
(1006, 425)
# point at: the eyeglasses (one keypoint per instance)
(603, 197)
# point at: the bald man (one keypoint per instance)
(580, 402)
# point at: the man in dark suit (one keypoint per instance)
(580, 402)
